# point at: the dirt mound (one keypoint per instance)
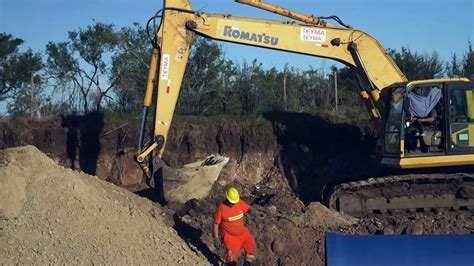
(50, 214)
(319, 215)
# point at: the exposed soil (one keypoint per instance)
(60, 216)
(282, 165)
(286, 231)
(289, 233)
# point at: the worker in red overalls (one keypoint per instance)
(229, 218)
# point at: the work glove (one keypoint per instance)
(217, 243)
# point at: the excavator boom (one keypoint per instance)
(314, 37)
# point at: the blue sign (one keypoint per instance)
(405, 250)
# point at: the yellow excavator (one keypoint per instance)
(424, 123)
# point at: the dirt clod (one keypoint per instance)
(319, 215)
(416, 229)
(388, 230)
(278, 246)
(272, 209)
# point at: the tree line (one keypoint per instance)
(101, 68)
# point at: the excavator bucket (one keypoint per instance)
(168, 62)
(192, 181)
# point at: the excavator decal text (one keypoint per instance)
(313, 35)
(165, 70)
(235, 33)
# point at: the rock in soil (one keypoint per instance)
(278, 246)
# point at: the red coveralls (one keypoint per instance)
(233, 231)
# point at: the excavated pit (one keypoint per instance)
(281, 163)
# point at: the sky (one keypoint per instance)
(424, 26)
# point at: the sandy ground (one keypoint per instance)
(53, 215)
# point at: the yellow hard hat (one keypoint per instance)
(232, 195)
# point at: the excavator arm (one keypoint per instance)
(310, 36)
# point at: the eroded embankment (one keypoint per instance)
(311, 152)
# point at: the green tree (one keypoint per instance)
(130, 67)
(10, 58)
(454, 67)
(203, 78)
(348, 89)
(417, 66)
(271, 79)
(249, 86)
(294, 90)
(224, 99)
(8, 54)
(461, 67)
(81, 64)
(19, 76)
(26, 97)
(468, 62)
(318, 93)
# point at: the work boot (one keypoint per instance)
(249, 258)
(247, 263)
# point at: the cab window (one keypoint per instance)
(461, 119)
(393, 123)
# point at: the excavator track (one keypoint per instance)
(410, 193)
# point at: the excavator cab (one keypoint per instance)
(429, 123)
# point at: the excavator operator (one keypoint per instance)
(422, 103)
(229, 218)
